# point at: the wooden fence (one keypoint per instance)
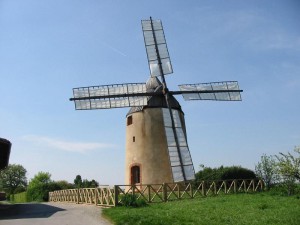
(107, 196)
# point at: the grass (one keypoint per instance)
(259, 208)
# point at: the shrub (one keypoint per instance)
(225, 173)
(131, 200)
(237, 172)
(19, 198)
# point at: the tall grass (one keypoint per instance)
(259, 208)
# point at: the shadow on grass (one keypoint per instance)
(28, 210)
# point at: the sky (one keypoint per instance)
(49, 47)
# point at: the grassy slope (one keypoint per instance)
(230, 209)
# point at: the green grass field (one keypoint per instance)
(259, 208)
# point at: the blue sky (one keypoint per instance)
(49, 47)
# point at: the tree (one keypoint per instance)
(289, 165)
(63, 184)
(78, 181)
(40, 178)
(13, 178)
(289, 169)
(39, 187)
(89, 184)
(267, 170)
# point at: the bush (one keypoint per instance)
(40, 192)
(225, 173)
(237, 172)
(19, 198)
(130, 200)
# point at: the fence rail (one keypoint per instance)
(107, 196)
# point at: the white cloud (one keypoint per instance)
(71, 146)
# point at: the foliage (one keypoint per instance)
(254, 209)
(89, 184)
(40, 178)
(19, 198)
(39, 187)
(224, 173)
(289, 169)
(267, 170)
(131, 200)
(237, 172)
(79, 183)
(282, 170)
(281, 189)
(63, 184)
(13, 179)
(289, 165)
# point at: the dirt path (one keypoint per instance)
(51, 214)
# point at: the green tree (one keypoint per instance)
(78, 181)
(13, 178)
(85, 183)
(89, 184)
(289, 165)
(39, 187)
(267, 170)
(289, 169)
(63, 184)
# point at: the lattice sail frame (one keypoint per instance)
(156, 47)
(218, 91)
(109, 96)
(181, 165)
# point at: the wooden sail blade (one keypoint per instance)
(110, 96)
(156, 48)
(179, 155)
(218, 91)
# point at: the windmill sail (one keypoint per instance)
(181, 161)
(218, 91)
(156, 48)
(110, 96)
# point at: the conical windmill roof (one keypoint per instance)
(154, 85)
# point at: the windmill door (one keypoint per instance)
(135, 175)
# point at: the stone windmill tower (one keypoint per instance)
(156, 139)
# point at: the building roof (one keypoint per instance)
(158, 101)
(5, 146)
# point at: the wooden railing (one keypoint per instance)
(107, 196)
(101, 196)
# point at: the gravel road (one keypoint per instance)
(51, 214)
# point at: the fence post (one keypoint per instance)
(165, 193)
(191, 190)
(149, 193)
(234, 186)
(96, 196)
(203, 188)
(77, 195)
(215, 187)
(116, 191)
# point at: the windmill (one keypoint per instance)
(156, 140)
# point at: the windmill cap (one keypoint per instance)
(153, 84)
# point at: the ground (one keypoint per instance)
(51, 214)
